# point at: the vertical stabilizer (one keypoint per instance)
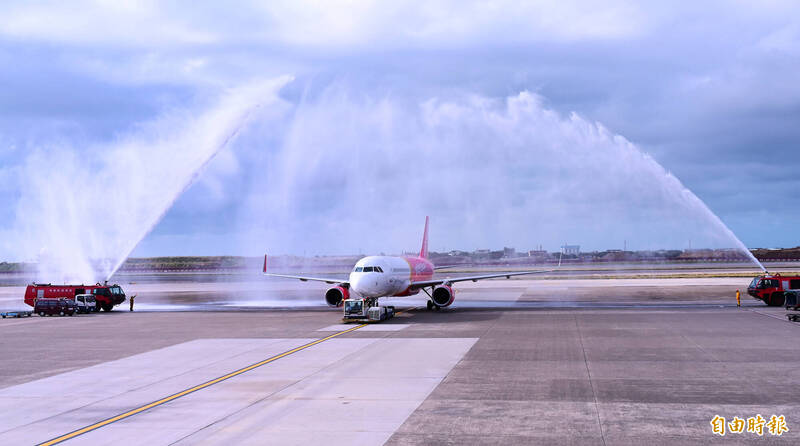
(424, 251)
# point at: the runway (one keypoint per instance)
(651, 370)
(225, 293)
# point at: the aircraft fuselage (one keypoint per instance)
(381, 276)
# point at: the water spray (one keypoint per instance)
(522, 147)
(146, 230)
(100, 222)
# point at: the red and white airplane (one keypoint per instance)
(383, 276)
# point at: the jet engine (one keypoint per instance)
(443, 295)
(336, 295)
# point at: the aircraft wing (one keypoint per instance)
(306, 279)
(434, 282)
(302, 278)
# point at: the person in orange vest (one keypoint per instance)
(738, 302)
(134, 297)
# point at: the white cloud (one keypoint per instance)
(448, 23)
(100, 23)
(341, 23)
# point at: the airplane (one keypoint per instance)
(374, 277)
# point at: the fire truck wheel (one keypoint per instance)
(108, 307)
(776, 300)
(41, 313)
(60, 313)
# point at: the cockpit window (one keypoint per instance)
(769, 283)
(368, 269)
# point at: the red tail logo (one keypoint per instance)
(423, 253)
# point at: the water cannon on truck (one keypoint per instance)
(106, 296)
(772, 289)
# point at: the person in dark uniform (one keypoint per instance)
(131, 300)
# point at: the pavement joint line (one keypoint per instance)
(770, 315)
(190, 390)
(343, 358)
(591, 382)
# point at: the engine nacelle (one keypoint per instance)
(443, 295)
(334, 296)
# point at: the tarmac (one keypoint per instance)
(511, 362)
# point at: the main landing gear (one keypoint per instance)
(430, 304)
(433, 306)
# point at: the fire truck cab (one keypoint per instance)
(772, 288)
(106, 296)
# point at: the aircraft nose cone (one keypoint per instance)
(366, 285)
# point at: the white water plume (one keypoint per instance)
(84, 214)
(339, 172)
(352, 171)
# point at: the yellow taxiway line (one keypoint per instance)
(175, 396)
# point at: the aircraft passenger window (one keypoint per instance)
(367, 269)
(359, 269)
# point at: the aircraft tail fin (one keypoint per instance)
(423, 253)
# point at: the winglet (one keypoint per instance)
(423, 253)
(265, 263)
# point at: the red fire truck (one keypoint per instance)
(771, 288)
(106, 296)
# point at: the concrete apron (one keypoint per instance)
(341, 391)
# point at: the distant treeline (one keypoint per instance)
(15, 267)
(228, 263)
(777, 254)
(188, 263)
(492, 258)
(240, 263)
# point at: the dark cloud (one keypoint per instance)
(708, 89)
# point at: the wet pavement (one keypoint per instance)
(512, 362)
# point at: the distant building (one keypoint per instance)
(509, 252)
(571, 249)
(537, 253)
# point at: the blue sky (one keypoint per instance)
(381, 97)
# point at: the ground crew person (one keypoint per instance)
(134, 297)
(738, 302)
